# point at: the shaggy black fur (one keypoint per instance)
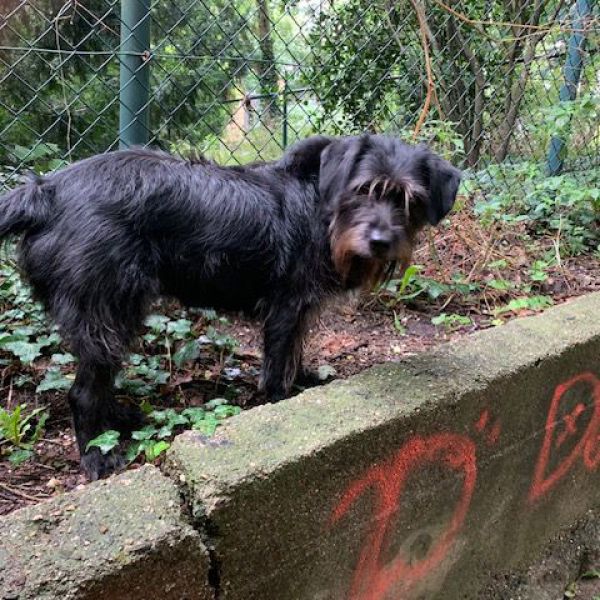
(106, 236)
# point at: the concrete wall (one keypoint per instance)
(433, 478)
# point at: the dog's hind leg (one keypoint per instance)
(92, 402)
(95, 409)
(99, 334)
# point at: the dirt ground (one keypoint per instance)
(350, 336)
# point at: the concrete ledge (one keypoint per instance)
(119, 538)
(413, 480)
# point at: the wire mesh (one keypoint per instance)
(240, 79)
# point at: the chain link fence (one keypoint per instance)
(502, 87)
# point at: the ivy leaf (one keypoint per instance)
(54, 380)
(224, 411)
(145, 433)
(180, 329)
(26, 352)
(499, 284)
(134, 450)
(154, 450)
(63, 359)
(194, 414)
(157, 323)
(212, 404)
(105, 441)
(206, 427)
(19, 456)
(186, 352)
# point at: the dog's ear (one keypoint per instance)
(443, 182)
(303, 159)
(338, 163)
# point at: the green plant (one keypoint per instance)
(591, 574)
(151, 440)
(40, 157)
(534, 303)
(451, 321)
(413, 285)
(501, 285)
(106, 441)
(19, 432)
(565, 207)
(398, 326)
(145, 374)
(538, 271)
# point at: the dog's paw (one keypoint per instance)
(274, 396)
(96, 465)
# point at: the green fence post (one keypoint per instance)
(573, 67)
(285, 113)
(134, 90)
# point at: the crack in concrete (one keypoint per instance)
(206, 529)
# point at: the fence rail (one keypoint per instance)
(494, 85)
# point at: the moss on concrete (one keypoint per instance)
(119, 538)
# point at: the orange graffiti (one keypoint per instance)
(482, 425)
(566, 427)
(587, 447)
(373, 580)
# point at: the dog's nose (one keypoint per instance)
(380, 242)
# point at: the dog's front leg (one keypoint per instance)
(285, 326)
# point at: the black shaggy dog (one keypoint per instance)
(106, 236)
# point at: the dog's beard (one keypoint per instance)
(359, 270)
(365, 273)
(352, 263)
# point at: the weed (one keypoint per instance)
(413, 285)
(19, 432)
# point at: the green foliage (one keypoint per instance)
(575, 122)
(412, 285)
(27, 336)
(359, 71)
(368, 70)
(40, 157)
(451, 321)
(151, 440)
(19, 431)
(565, 207)
(220, 341)
(534, 303)
(24, 331)
(398, 326)
(54, 379)
(106, 441)
(591, 574)
(191, 64)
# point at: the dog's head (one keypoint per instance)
(379, 193)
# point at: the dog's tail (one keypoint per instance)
(25, 208)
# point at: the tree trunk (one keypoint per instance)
(266, 69)
(518, 86)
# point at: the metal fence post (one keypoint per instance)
(572, 73)
(134, 89)
(285, 113)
